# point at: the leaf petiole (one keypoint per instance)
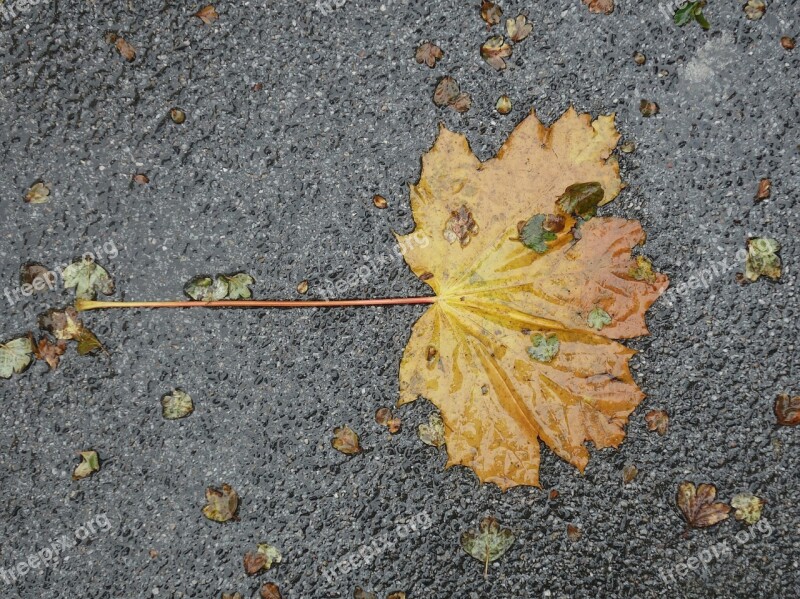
(84, 305)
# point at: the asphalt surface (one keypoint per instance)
(278, 182)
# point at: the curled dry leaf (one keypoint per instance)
(345, 440)
(395, 425)
(788, 43)
(88, 278)
(574, 533)
(468, 354)
(432, 433)
(762, 259)
(383, 416)
(648, 108)
(488, 543)
(15, 356)
(639, 58)
(495, 50)
(66, 325)
(755, 9)
(787, 410)
(39, 193)
(50, 352)
(764, 189)
(262, 559)
(177, 404)
(125, 50)
(491, 12)
(208, 14)
(657, 420)
(270, 590)
(629, 472)
(221, 504)
(448, 93)
(380, 202)
(605, 7)
(518, 29)
(428, 54)
(89, 464)
(748, 507)
(698, 506)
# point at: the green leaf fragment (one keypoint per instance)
(581, 199)
(488, 543)
(691, 11)
(643, 271)
(88, 278)
(271, 555)
(598, 318)
(748, 507)
(238, 285)
(534, 236)
(762, 259)
(433, 432)
(15, 356)
(177, 404)
(90, 463)
(543, 348)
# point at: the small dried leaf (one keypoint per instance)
(39, 193)
(787, 410)
(379, 201)
(177, 115)
(488, 543)
(446, 92)
(495, 50)
(605, 7)
(346, 440)
(518, 29)
(544, 347)
(639, 58)
(238, 285)
(657, 420)
(394, 425)
(270, 590)
(396, 595)
(31, 271)
(302, 287)
(50, 352)
(762, 259)
(629, 472)
(462, 103)
(648, 108)
(141, 179)
(433, 432)
(748, 507)
(360, 593)
(574, 533)
(698, 506)
(598, 318)
(89, 464)
(491, 13)
(262, 559)
(428, 54)
(788, 43)
(755, 9)
(15, 356)
(764, 189)
(177, 404)
(221, 504)
(66, 324)
(207, 14)
(503, 105)
(88, 278)
(125, 50)
(383, 416)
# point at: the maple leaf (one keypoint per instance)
(475, 354)
(698, 506)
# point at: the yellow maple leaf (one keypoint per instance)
(519, 345)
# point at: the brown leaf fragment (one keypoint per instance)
(657, 420)
(360, 593)
(221, 504)
(787, 410)
(346, 440)
(141, 179)
(446, 92)
(503, 105)
(639, 58)
(491, 13)
(263, 558)
(66, 324)
(605, 7)
(764, 189)
(302, 287)
(495, 50)
(257, 87)
(574, 533)
(395, 425)
(177, 115)
(629, 472)
(125, 50)
(698, 506)
(270, 590)
(37, 276)
(48, 351)
(518, 29)
(648, 108)
(396, 595)
(428, 54)
(39, 193)
(788, 43)
(380, 202)
(208, 14)
(462, 103)
(383, 416)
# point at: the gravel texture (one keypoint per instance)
(279, 182)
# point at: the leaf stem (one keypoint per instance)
(83, 305)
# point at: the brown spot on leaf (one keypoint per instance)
(460, 227)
